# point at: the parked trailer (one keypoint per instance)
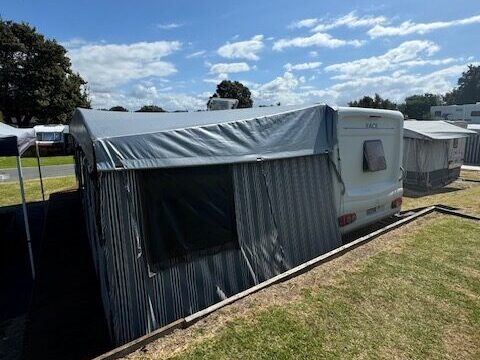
(467, 112)
(54, 138)
(216, 103)
(433, 153)
(368, 157)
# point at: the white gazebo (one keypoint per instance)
(14, 142)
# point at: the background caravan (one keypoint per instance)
(368, 157)
(433, 154)
(186, 209)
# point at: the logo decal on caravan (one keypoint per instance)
(371, 125)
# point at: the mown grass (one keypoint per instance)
(420, 300)
(10, 191)
(460, 194)
(7, 162)
(470, 175)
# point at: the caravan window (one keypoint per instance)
(475, 113)
(49, 136)
(187, 212)
(438, 113)
(373, 156)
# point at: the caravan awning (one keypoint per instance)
(13, 141)
(433, 130)
(124, 140)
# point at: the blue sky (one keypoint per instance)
(172, 54)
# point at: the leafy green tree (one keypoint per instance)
(36, 80)
(418, 106)
(150, 108)
(235, 90)
(468, 90)
(450, 98)
(118, 108)
(376, 102)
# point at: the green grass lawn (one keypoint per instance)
(11, 162)
(416, 298)
(10, 191)
(460, 194)
(470, 175)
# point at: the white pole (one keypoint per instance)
(39, 170)
(25, 216)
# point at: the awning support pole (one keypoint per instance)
(39, 170)
(25, 216)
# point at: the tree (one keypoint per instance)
(235, 90)
(118, 108)
(377, 102)
(150, 108)
(36, 80)
(468, 90)
(418, 106)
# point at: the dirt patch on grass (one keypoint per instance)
(288, 292)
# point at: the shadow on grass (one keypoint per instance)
(418, 194)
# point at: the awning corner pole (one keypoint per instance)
(39, 170)
(25, 216)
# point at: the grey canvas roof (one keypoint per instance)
(474, 127)
(433, 130)
(124, 140)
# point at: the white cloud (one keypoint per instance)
(304, 66)
(434, 62)
(410, 27)
(247, 49)
(147, 94)
(406, 54)
(317, 39)
(223, 68)
(289, 89)
(169, 26)
(280, 89)
(75, 42)
(397, 86)
(196, 54)
(304, 23)
(351, 20)
(218, 79)
(107, 65)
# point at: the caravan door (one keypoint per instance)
(368, 159)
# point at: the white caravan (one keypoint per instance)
(50, 134)
(216, 103)
(469, 113)
(368, 159)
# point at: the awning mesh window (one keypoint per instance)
(189, 212)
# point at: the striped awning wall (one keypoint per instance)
(472, 150)
(287, 207)
(284, 213)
